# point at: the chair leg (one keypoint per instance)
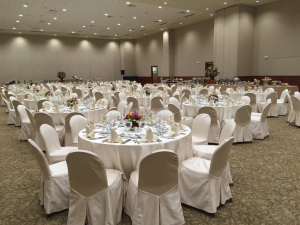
(231, 185)
(230, 200)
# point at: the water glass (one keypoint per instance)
(128, 125)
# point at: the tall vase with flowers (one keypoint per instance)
(212, 72)
(61, 75)
(134, 117)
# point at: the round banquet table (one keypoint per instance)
(260, 97)
(92, 115)
(33, 104)
(21, 97)
(193, 91)
(127, 157)
(223, 112)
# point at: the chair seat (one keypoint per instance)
(204, 151)
(59, 168)
(61, 154)
(26, 122)
(197, 164)
(280, 101)
(255, 118)
(59, 128)
(199, 140)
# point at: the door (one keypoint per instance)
(154, 74)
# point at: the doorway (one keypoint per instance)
(154, 74)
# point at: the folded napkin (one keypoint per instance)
(149, 118)
(231, 90)
(100, 103)
(91, 124)
(174, 131)
(193, 101)
(47, 105)
(267, 90)
(238, 101)
(150, 137)
(104, 117)
(90, 131)
(67, 94)
(211, 102)
(227, 103)
(57, 108)
(181, 124)
(171, 121)
(93, 106)
(114, 137)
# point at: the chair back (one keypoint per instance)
(41, 159)
(128, 108)
(87, 174)
(211, 112)
(40, 103)
(77, 123)
(67, 121)
(23, 114)
(173, 88)
(201, 126)
(203, 92)
(63, 89)
(265, 112)
(252, 97)
(113, 115)
(170, 93)
(50, 138)
(283, 95)
(158, 172)
(161, 88)
(135, 103)
(175, 102)
(7, 104)
(115, 100)
(218, 92)
(121, 107)
(273, 97)
(297, 94)
(176, 111)
(32, 121)
(164, 115)
(271, 90)
(122, 96)
(175, 93)
(295, 103)
(78, 92)
(116, 94)
(112, 109)
(16, 103)
(219, 159)
(98, 96)
(41, 118)
(227, 131)
(246, 100)
(187, 93)
(224, 93)
(156, 104)
(243, 116)
(211, 89)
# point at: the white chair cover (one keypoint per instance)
(273, 110)
(122, 96)
(246, 100)
(202, 183)
(214, 130)
(200, 129)
(174, 101)
(253, 103)
(165, 115)
(188, 121)
(15, 104)
(259, 125)
(121, 107)
(152, 195)
(281, 103)
(77, 123)
(26, 127)
(11, 113)
(296, 110)
(113, 115)
(156, 105)
(291, 116)
(55, 189)
(96, 193)
(68, 135)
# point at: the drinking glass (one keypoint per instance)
(128, 125)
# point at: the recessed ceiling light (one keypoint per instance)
(142, 26)
(17, 21)
(54, 34)
(257, 1)
(73, 32)
(83, 26)
(92, 21)
(161, 29)
(19, 32)
(116, 35)
(119, 24)
(49, 23)
(144, 33)
(187, 10)
(165, 3)
(14, 28)
(207, 8)
(180, 23)
(64, 10)
(20, 15)
(159, 7)
(42, 30)
(134, 17)
(211, 14)
(86, 36)
(25, 5)
(55, 18)
(159, 20)
(95, 33)
(128, 3)
(105, 14)
(225, 3)
(130, 30)
(108, 28)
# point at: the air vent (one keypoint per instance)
(36, 28)
(110, 16)
(126, 35)
(131, 5)
(162, 23)
(190, 15)
(41, 21)
(53, 10)
(183, 12)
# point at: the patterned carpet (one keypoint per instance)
(265, 173)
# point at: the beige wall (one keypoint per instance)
(40, 57)
(192, 44)
(127, 50)
(277, 35)
(149, 52)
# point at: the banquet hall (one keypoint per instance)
(154, 112)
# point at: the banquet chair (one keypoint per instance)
(184, 98)
(267, 102)
(296, 110)
(218, 92)
(16, 103)
(203, 183)
(128, 108)
(115, 100)
(170, 93)
(96, 193)
(273, 110)
(94, 90)
(259, 124)
(116, 94)
(135, 104)
(271, 90)
(32, 122)
(164, 115)
(122, 96)
(113, 115)
(3, 103)
(177, 97)
(187, 93)
(161, 88)
(26, 127)
(156, 105)
(188, 121)
(121, 107)
(40, 103)
(291, 115)
(55, 188)
(297, 94)
(47, 86)
(41, 118)
(200, 129)
(54, 88)
(174, 101)
(203, 92)
(246, 100)
(78, 92)
(173, 88)
(54, 152)
(281, 103)
(112, 109)
(98, 96)
(90, 93)
(214, 130)
(77, 123)
(152, 193)
(253, 103)
(242, 132)
(228, 90)
(68, 135)
(63, 89)
(225, 93)
(11, 113)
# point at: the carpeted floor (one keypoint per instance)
(265, 173)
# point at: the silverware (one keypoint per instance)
(158, 140)
(124, 142)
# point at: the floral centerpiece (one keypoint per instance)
(89, 85)
(28, 86)
(61, 75)
(148, 91)
(155, 85)
(134, 117)
(72, 101)
(247, 88)
(48, 94)
(75, 78)
(113, 87)
(212, 72)
(214, 97)
(36, 89)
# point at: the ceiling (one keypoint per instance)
(116, 19)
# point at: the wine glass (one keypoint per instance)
(128, 125)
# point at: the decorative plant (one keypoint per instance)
(213, 96)
(61, 75)
(134, 117)
(212, 71)
(72, 101)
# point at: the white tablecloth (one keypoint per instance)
(32, 104)
(93, 115)
(260, 97)
(127, 157)
(146, 101)
(223, 112)
(21, 97)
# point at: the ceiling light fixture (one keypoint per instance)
(130, 30)
(225, 3)
(257, 1)
(55, 18)
(145, 33)
(83, 26)
(134, 17)
(180, 23)
(42, 30)
(116, 35)
(142, 26)
(161, 29)
(92, 21)
(20, 15)
(187, 10)
(49, 23)
(25, 5)
(86, 36)
(207, 8)
(105, 14)
(64, 10)
(211, 14)
(19, 32)
(95, 33)
(159, 20)
(165, 3)
(159, 7)
(73, 32)
(17, 21)
(119, 24)
(14, 28)
(108, 28)
(128, 3)
(54, 34)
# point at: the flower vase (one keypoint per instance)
(62, 81)
(212, 77)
